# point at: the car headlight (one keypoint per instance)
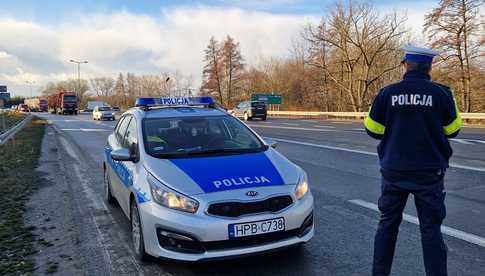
(302, 186)
(171, 199)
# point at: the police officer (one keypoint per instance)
(413, 120)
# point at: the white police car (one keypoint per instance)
(198, 184)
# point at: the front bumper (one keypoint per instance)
(194, 237)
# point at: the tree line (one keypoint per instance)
(341, 63)
(123, 90)
(338, 64)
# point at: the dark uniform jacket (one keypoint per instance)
(414, 119)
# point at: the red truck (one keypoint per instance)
(63, 102)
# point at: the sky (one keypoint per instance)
(38, 38)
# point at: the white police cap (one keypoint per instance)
(418, 54)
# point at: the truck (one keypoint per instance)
(92, 104)
(63, 102)
(36, 104)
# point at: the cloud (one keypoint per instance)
(128, 42)
(123, 41)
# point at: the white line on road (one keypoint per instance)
(461, 141)
(295, 128)
(464, 236)
(320, 126)
(86, 129)
(453, 165)
(290, 124)
(323, 146)
(358, 129)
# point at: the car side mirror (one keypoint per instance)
(121, 155)
(270, 142)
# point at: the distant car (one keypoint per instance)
(198, 184)
(115, 108)
(103, 113)
(23, 108)
(250, 109)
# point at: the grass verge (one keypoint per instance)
(18, 177)
(9, 119)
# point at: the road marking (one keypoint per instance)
(453, 165)
(86, 129)
(358, 129)
(323, 146)
(319, 126)
(461, 141)
(468, 141)
(290, 124)
(295, 128)
(464, 236)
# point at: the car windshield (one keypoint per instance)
(70, 98)
(198, 136)
(257, 104)
(104, 108)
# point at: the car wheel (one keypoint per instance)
(137, 233)
(246, 117)
(107, 189)
(263, 118)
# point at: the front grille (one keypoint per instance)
(236, 209)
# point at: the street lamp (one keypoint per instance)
(30, 83)
(78, 62)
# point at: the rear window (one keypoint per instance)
(104, 108)
(70, 98)
(258, 104)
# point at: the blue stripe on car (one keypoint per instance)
(125, 176)
(220, 173)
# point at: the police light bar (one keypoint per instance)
(174, 101)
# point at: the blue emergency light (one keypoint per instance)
(174, 101)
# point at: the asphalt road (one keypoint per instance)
(343, 172)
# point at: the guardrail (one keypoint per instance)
(352, 115)
(4, 136)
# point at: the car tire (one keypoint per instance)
(246, 116)
(263, 118)
(107, 189)
(137, 233)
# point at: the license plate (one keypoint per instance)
(256, 227)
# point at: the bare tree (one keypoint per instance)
(232, 63)
(453, 28)
(212, 72)
(355, 48)
(102, 86)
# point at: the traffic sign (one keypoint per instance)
(267, 98)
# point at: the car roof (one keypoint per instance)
(179, 111)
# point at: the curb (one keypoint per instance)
(5, 136)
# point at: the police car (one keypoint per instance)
(197, 183)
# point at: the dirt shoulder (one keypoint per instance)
(50, 211)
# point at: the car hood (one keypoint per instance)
(200, 175)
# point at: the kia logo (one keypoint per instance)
(252, 193)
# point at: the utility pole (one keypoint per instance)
(78, 62)
(30, 83)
